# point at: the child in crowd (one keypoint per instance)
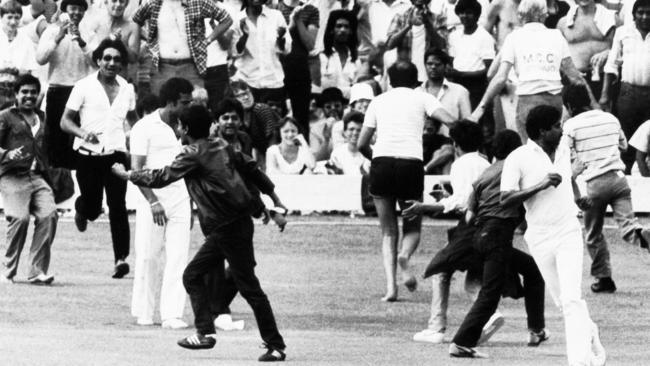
(346, 158)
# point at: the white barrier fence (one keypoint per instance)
(343, 192)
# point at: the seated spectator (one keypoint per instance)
(321, 139)
(291, 155)
(338, 61)
(228, 115)
(360, 96)
(437, 149)
(346, 158)
(641, 142)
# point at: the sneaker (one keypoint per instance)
(535, 338)
(174, 323)
(605, 284)
(198, 341)
(144, 321)
(41, 279)
(495, 323)
(121, 269)
(429, 336)
(225, 322)
(80, 222)
(272, 354)
(464, 352)
(599, 356)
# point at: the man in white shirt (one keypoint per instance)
(162, 220)
(539, 175)
(104, 103)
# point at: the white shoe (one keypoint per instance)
(429, 336)
(174, 323)
(144, 321)
(495, 323)
(225, 322)
(599, 356)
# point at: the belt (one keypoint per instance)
(175, 61)
(83, 151)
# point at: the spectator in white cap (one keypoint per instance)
(360, 96)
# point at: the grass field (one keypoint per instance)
(324, 280)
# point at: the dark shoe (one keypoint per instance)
(80, 222)
(535, 338)
(41, 279)
(605, 284)
(121, 269)
(197, 341)
(643, 240)
(464, 352)
(272, 354)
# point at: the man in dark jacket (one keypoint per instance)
(216, 177)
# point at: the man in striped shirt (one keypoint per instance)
(596, 139)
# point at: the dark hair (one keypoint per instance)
(197, 119)
(467, 135)
(239, 85)
(638, 4)
(229, 105)
(505, 142)
(576, 98)
(172, 89)
(542, 117)
(64, 4)
(328, 38)
(354, 117)
(472, 6)
(403, 74)
(288, 119)
(244, 4)
(107, 43)
(147, 104)
(11, 7)
(332, 94)
(439, 54)
(26, 79)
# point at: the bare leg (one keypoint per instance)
(388, 221)
(410, 240)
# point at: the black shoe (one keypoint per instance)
(197, 341)
(272, 354)
(643, 243)
(464, 352)
(121, 269)
(80, 222)
(605, 284)
(535, 338)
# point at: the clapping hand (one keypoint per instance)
(16, 154)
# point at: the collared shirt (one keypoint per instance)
(595, 138)
(155, 139)
(99, 116)
(333, 74)
(16, 132)
(464, 171)
(454, 97)
(68, 63)
(20, 53)
(173, 44)
(536, 53)
(470, 51)
(632, 53)
(196, 11)
(552, 210)
(259, 63)
(380, 15)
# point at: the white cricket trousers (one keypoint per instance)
(151, 241)
(558, 253)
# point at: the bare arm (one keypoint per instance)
(568, 68)
(494, 87)
(364, 141)
(440, 157)
(513, 198)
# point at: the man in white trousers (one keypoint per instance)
(162, 221)
(539, 175)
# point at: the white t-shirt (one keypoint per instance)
(20, 53)
(275, 163)
(350, 163)
(398, 116)
(470, 50)
(536, 53)
(641, 141)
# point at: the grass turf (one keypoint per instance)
(324, 281)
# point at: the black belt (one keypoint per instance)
(176, 61)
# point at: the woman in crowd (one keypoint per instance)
(291, 155)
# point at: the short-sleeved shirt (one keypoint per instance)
(471, 50)
(350, 163)
(155, 139)
(641, 141)
(97, 115)
(536, 53)
(398, 117)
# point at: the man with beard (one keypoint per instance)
(24, 191)
(103, 102)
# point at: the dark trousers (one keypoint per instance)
(217, 81)
(232, 242)
(494, 244)
(58, 144)
(272, 94)
(94, 177)
(632, 108)
(222, 291)
(297, 83)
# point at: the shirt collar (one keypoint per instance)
(534, 26)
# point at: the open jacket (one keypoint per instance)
(15, 132)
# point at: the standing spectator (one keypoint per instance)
(291, 155)
(16, 49)
(162, 220)
(176, 37)
(338, 61)
(539, 56)
(596, 139)
(346, 158)
(217, 73)
(447, 9)
(259, 40)
(415, 31)
(380, 15)
(640, 141)
(228, 116)
(502, 19)
(64, 48)
(24, 189)
(397, 170)
(303, 23)
(103, 102)
(631, 53)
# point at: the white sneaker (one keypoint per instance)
(495, 323)
(599, 356)
(225, 322)
(174, 323)
(429, 336)
(144, 321)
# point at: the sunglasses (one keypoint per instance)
(109, 58)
